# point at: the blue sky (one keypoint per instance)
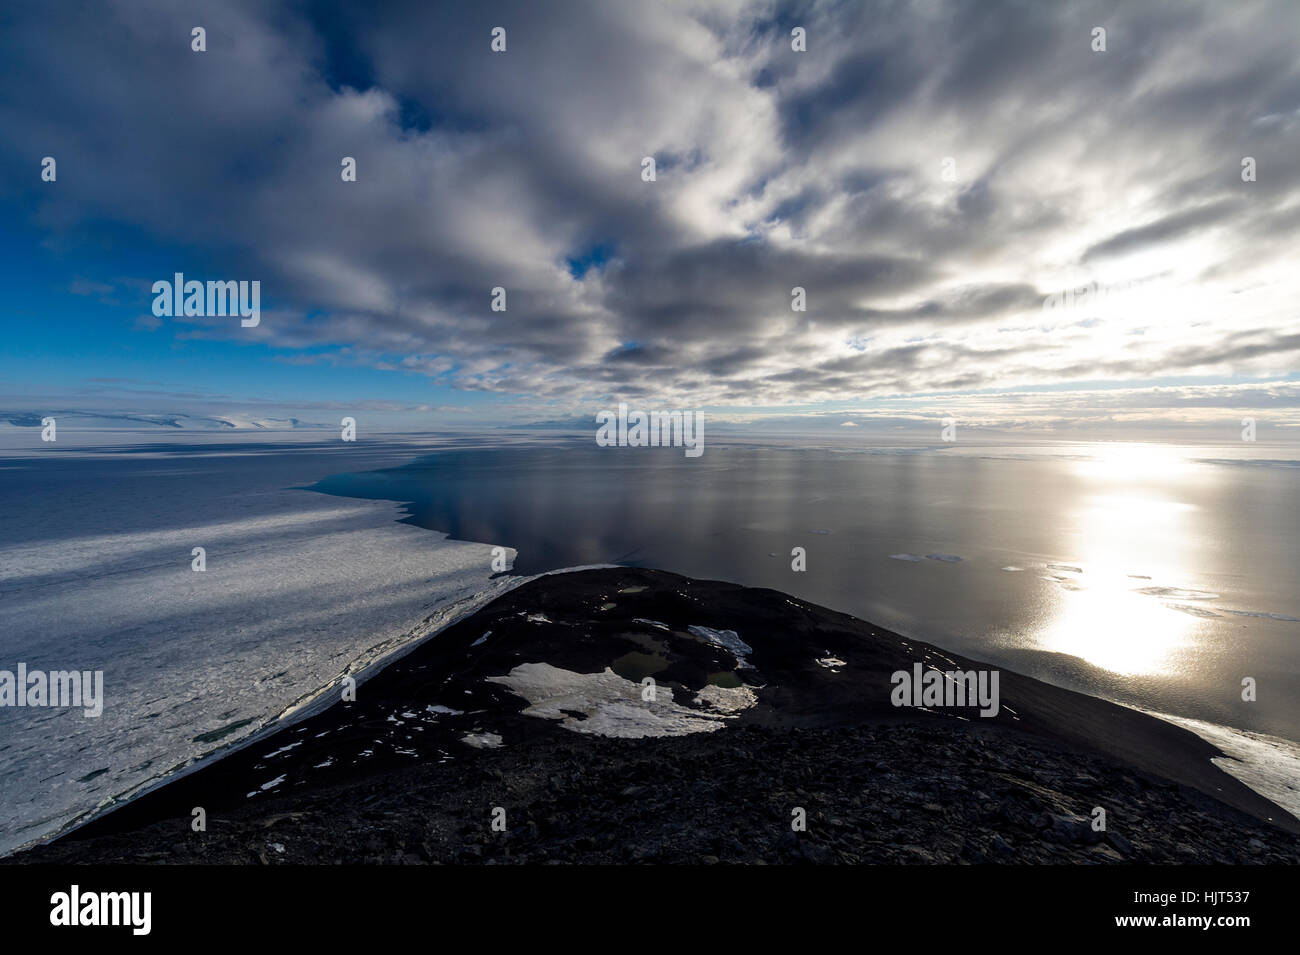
(74, 339)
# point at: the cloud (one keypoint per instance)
(775, 169)
(1169, 228)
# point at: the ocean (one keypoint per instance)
(1152, 575)
(1156, 576)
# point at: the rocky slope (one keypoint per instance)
(524, 734)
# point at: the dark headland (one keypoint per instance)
(413, 769)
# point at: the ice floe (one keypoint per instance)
(1269, 616)
(1193, 611)
(1177, 593)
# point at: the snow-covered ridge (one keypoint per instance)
(74, 419)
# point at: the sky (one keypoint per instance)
(935, 177)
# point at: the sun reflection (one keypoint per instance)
(1130, 533)
(1129, 462)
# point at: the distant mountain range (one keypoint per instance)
(576, 423)
(70, 418)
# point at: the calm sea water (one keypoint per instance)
(1152, 575)
(1156, 576)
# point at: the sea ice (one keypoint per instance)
(1177, 593)
(1270, 765)
(1270, 616)
(299, 589)
(1193, 611)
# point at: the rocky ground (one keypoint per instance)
(436, 761)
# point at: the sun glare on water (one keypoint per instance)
(1130, 535)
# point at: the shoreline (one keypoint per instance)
(308, 705)
(431, 718)
(373, 661)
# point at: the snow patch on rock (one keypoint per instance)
(606, 704)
